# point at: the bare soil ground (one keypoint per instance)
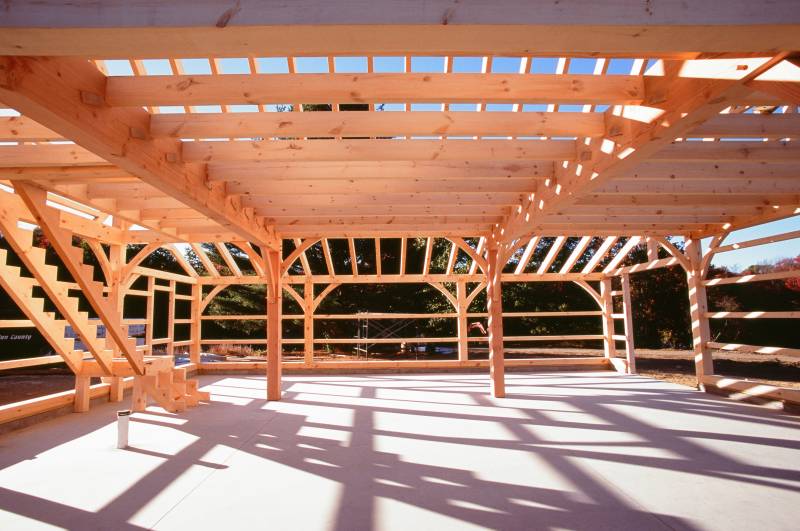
(676, 366)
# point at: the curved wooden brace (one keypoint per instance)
(303, 247)
(674, 252)
(296, 296)
(319, 298)
(716, 241)
(308, 243)
(211, 294)
(446, 293)
(126, 278)
(102, 259)
(510, 248)
(591, 291)
(478, 259)
(255, 260)
(471, 297)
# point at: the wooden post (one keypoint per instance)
(195, 328)
(139, 396)
(116, 262)
(116, 388)
(171, 319)
(463, 330)
(652, 250)
(274, 297)
(494, 306)
(308, 322)
(82, 396)
(609, 345)
(630, 353)
(698, 309)
(151, 301)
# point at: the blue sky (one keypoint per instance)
(736, 260)
(740, 259)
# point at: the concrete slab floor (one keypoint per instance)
(564, 451)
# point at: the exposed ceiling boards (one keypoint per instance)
(419, 143)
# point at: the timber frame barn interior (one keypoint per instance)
(619, 129)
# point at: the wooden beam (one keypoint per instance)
(601, 252)
(406, 199)
(609, 345)
(68, 96)
(462, 307)
(308, 322)
(267, 187)
(274, 298)
(379, 258)
(229, 261)
(44, 155)
(351, 249)
(526, 255)
(23, 129)
(684, 108)
(379, 169)
(558, 243)
(378, 221)
(302, 247)
(576, 254)
(426, 260)
(326, 250)
(622, 254)
(451, 258)
(698, 309)
(771, 126)
(711, 170)
(374, 124)
(690, 200)
(376, 150)
(733, 150)
(494, 306)
(407, 278)
(627, 312)
(403, 253)
(410, 27)
(253, 89)
(209, 266)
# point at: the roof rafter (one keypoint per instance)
(684, 108)
(67, 96)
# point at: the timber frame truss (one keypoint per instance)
(525, 146)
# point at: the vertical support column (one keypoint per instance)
(274, 297)
(494, 306)
(308, 322)
(171, 319)
(117, 257)
(82, 396)
(630, 353)
(116, 261)
(149, 313)
(609, 345)
(139, 396)
(195, 328)
(463, 329)
(116, 389)
(698, 310)
(652, 249)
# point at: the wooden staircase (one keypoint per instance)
(46, 276)
(167, 385)
(20, 289)
(154, 376)
(62, 241)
